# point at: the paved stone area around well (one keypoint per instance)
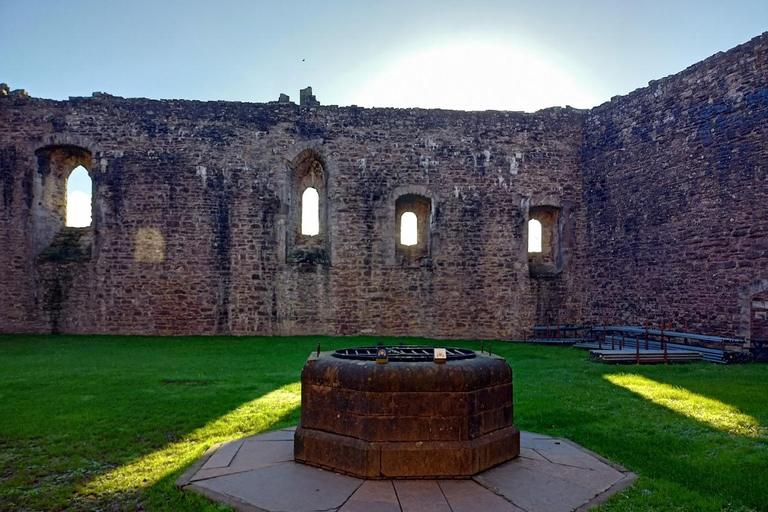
(258, 474)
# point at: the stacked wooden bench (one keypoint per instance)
(631, 344)
(559, 334)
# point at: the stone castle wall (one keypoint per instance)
(652, 206)
(676, 197)
(195, 218)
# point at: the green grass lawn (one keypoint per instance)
(108, 423)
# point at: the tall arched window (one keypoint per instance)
(534, 236)
(409, 229)
(413, 218)
(78, 198)
(310, 212)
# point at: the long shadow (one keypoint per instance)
(743, 391)
(132, 443)
(684, 464)
(258, 415)
(715, 413)
(719, 459)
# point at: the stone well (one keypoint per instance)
(408, 418)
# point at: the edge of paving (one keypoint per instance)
(628, 480)
(624, 483)
(183, 482)
(186, 477)
(617, 467)
(224, 498)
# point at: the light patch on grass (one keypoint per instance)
(250, 418)
(706, 410)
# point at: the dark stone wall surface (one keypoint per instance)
(676, 197)
(659, 197)
(193, 206)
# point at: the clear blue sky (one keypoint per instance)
(515, 55)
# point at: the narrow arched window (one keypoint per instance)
(310, 212)
(534, 236)
(409, 229)
(78, 198)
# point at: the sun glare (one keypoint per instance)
(79, 198)
(310, 212)
(534, 236)
(698, 407)
(409, 229)
(476, 76)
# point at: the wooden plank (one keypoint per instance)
(673, 334)
(645, 356)
(712, 355)
(555, 341)
(560, 327)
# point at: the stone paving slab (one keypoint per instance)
(469, 496)
(373, 496)
(285, 487)
(224, 455)
(258, 474)
(251, 454)
(421, 496)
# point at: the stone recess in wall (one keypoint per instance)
(421, 207)
(307, 170)
(549, 261)
(49, 202)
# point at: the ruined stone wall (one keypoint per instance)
(675, 192)
(195, 215)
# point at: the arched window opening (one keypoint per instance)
(413, 218)
(78, 214)
(62, 199)
(310, 212)
(545, 253)
(534, 236)
(409, 229)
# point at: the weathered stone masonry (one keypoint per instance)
(196, 218)
(196, 211)
(676, 197)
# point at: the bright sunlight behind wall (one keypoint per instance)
(706, 410)
(534, 236)
(79, 198)
(310, 212)
(473, 75)
(409, 229)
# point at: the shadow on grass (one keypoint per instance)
(100, 423)
(164, 465)
(53, 474)
(706, 410)
(741, 391)
(704, 450)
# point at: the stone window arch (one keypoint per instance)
(416, 247)
(308, 237)
(55, 164)
(545, 230)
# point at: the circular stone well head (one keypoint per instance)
(409, 417)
